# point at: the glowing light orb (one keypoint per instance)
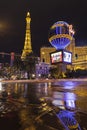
(60, 34)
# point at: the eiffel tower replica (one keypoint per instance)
(27, 45)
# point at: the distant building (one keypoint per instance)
(42, 70)
(45, 54)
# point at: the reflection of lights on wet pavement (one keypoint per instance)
(49, 84)
(68, 120)
(70, 100)
(69, 85)
(58, 100)
(63, 100)
(9, 105)
(58, 95)
(46, 88)
(59, 103)
(0, 86)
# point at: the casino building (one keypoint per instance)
(79, 55)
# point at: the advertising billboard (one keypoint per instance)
(67, 57)
(56, 57)
(61, 56)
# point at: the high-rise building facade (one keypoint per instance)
(27, 44)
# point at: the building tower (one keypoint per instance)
(27, 45)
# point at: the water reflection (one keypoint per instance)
(64, 100)
(58, 100)
(43, 106)
(68, 120)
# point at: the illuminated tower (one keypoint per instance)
(27, 45)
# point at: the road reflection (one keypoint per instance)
(43, 106)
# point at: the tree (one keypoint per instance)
(29, 64)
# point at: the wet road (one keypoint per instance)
(60, 105)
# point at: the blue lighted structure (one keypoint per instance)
(68, 120)
(60, 35)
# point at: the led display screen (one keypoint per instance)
(61, 56)
(67, 57)
(56, 57)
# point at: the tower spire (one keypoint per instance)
(27, 45)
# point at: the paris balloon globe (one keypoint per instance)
(60, 35)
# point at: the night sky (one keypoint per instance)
(44, 13)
